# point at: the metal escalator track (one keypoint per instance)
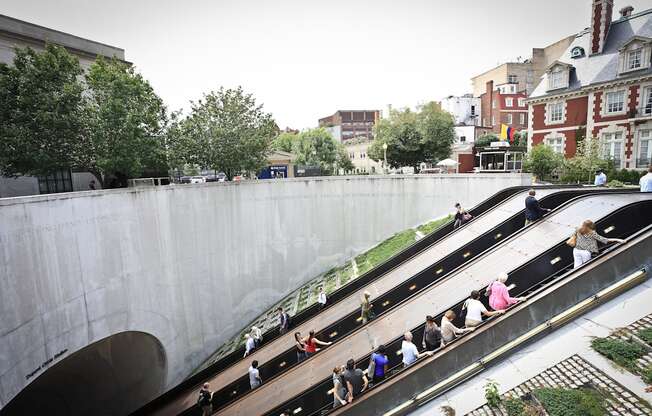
(527, 244)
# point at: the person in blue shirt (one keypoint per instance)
(600, 178)
(646, 181)
(533, 211)
(380, 364)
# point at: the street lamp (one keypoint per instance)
(385, 157)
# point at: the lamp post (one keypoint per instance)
(385, 158)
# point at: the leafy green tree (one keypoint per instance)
(486, 140)
(426, 135)
(586, 161)
(227, 131)
(343, 161)
(41, 113)
(542, 160)
(316, 147)
(126, 122)
(285, 141)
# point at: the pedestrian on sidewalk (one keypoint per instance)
(339, 391)
(205, 400)
(475, 310)
(254, 375)
(585, 243)
(499, 298)
(600, 178)
(366, 308)
(431, 335)
(410, 352)
(300, 346)
(533, 211)
(448, 330)
(355, 379)
(284, 321)
(312, 342)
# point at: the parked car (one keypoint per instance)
(197, 179)
(184, 179)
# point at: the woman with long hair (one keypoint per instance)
(586, 243)
(311, 343)
(300, 346)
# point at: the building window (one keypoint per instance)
(635, 59)
(493, 120)
(521, 119)
(512, 79)
(577, 52)
(514, 161)
(521, 102)
(472, 110)
(644, 156)
(56, 182)
(556, 143)
(612, 147)
(509, 102)
(557, 79)
(509, 119)
(493, 103)
(462, 139)
(556, 112)
(615, 102)
(647, 101)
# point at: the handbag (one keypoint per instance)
(371, 370)
(466, 216)
(572, 241)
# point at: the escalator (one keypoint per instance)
(405, 311)
(391, 285)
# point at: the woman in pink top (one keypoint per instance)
(499, 298)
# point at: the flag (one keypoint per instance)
(507, 133)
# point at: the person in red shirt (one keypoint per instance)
(312, 342)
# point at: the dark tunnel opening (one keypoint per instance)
(113, 376)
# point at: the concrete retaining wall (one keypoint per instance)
(189, 264)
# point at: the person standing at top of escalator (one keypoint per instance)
(366, 308)
(533, 211)
(499, 298)
(585, 243)
(461, 216)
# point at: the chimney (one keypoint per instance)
(600, 22)
(626, 11)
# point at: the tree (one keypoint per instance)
(284, 141)
(343, 162)
(41, 113)
(587, 160)
(542, 161)
(126, 121)
(486, 140)
(316, 147)
(414, 137)
(227, 131)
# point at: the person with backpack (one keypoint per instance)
(461, 216)
(378, 365)
(339, 391)
(283, 321)
(585, 243)
(533, 211)
(204, 401)
(498, 293)
(431, 335)
(473, 310)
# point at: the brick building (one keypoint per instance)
(601, 85)
(504, 104)
(350, 124)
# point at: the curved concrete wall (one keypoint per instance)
(188, 264)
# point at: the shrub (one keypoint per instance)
(645, 335)
(571, 402)
(515, 407)
(623, 353)
(615, 184)
(542, 160)
(491, 394)
(646, 374)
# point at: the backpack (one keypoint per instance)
(464, 310)
(204, 398)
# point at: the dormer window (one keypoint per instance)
(577, 52)
(635, 54)
(558, 76)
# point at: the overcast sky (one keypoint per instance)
(304, 59)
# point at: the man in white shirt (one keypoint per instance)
(250, 344)
(254, 375)
(321, 298)
(646, 181)
(475, 310)
(409, 350)
(600, 178)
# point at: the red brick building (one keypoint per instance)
(601, 87)
(503, 104)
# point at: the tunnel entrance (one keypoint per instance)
(113, 376)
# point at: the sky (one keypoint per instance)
(305, 59)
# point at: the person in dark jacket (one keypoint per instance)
(533, 211)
